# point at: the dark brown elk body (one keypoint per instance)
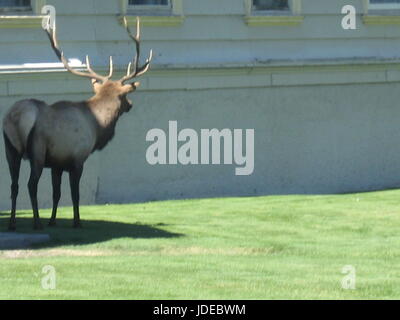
(63, 135)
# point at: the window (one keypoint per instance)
(21, 13)
(273, 7)
(149, 7)
(384, 4)
(270, 5)
(260, 13)
(381, 12)
(149, 2)
(153, 13)
(15, 5)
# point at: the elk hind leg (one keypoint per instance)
(36, 154)
(36, 172)
(14, 164)
(56, 175)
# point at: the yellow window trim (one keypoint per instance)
(24, 21)
(156, 21)
(11, 22)
(380, 20)
(265, 21)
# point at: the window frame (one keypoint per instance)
(23, 19)
(383, 6)
(283, 12)
(381, 14)
(151, 8)
(294, 8)
(261, 18)
(34, 8)
(16, 9)
(154, 15)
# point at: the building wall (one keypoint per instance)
(323, 101)
(213, 32)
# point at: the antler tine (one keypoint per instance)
(128, 71)
(88, 66)
(136, 39)
(137, 71)
(138, 28)
(146, 66)
(90, 70)
(111, 68)
(51, 33)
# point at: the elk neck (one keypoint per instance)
(106, 110)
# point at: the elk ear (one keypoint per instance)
(96, 85)
(135, 85)
(128, 88)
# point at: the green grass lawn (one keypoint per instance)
(278, 247)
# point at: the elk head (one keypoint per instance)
(103, 86)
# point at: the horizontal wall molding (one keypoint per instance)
(193, 77)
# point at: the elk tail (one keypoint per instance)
(19, 122)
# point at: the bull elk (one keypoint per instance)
(61, 136)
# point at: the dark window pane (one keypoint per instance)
(271, 4)
(148, 2)
(15, 3)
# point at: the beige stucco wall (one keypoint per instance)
(323, 101)
(310, 138)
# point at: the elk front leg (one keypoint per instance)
(36, 172)
(74, 179)
(56, 175)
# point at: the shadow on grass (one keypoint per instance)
(92, 231)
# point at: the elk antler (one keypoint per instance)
(51, 33)
(137, 71)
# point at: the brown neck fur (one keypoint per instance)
(106, 109)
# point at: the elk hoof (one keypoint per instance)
(77, 225)
(52, 223)
(38, 226)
